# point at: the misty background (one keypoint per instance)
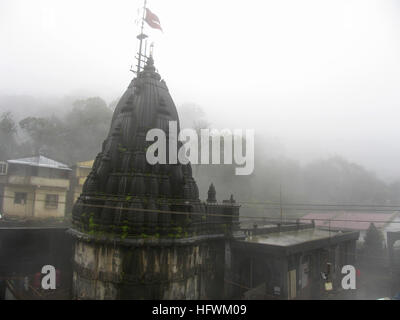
(317, 80)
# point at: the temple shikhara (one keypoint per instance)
(141, 230)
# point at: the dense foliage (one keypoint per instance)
(75, 136)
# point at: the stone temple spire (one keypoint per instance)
(122, 182)
(140, 230)
(212, 194)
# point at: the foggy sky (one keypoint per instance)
(321, 77)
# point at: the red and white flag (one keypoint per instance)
(152, 20)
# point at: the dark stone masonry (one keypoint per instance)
(140, 230)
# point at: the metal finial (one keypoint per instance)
(151, 49)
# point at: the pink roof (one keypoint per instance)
(319, 218)
(350, 220)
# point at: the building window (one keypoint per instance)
(3, 168)
(20, 198)
(51, 201)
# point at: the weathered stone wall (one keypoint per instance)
(161, 241)
(179, 271)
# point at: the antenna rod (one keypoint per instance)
(280, 202)
(141, 36)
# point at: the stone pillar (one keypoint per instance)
(2, 290)
(228, 288)
(351, 252)
(284, 279)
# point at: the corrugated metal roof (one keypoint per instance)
(40, 161)
(319, 218)
(357, 221)
(395, 226)
(350, 220)
(289, 238)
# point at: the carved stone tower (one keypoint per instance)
(140, 230)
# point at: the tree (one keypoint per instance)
(43, 133)
(336, 180)
(8, 131)
(75, 137)
(192, 116)
(373, 239)
(86, 127)
(113, 104)
(373, 248)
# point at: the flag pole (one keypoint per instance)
(141, 37)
